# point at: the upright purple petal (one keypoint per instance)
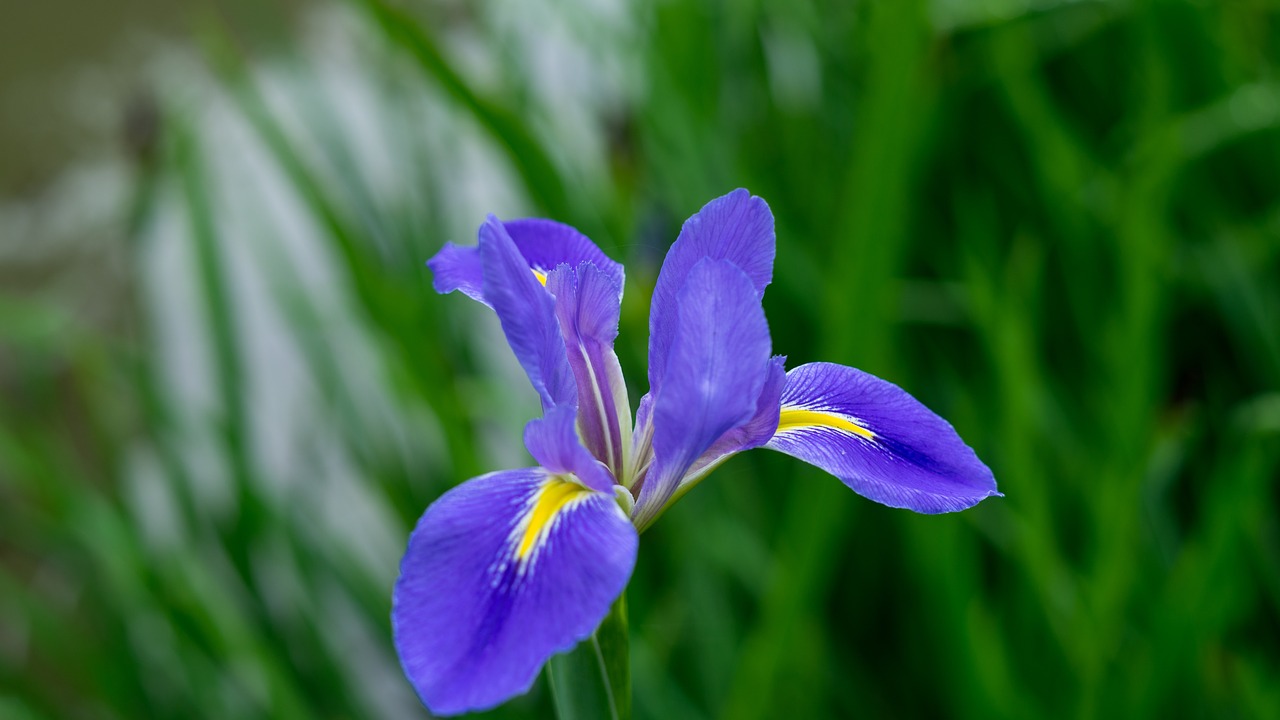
(716, 369)
(528, 316)
(501, 573)
(544, 244)
(587, 306)
(883, 443)
(553, 442)
(737, 227)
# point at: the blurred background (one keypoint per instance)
(227, 390)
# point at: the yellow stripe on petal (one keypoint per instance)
(542, 277)
(553, 496)
(796, 418)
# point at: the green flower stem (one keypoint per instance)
(593, 680)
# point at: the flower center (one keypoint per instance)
(637, 469)
(554, 495)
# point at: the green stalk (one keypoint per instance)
(593, 680)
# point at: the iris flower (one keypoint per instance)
(512, 567)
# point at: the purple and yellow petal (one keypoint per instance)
(717, 367)
(881, 442)
(544, 244)
(501, 573)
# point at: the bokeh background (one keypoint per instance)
(228, 390)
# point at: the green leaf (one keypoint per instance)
(594, 679)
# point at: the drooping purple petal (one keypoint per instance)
(543, 244)
(458, 268)
(883, 443)
(528, 316)
(587, 306)
(755, 433)
(553, 442)
(737, 227)
(501, 573)
(717, 367)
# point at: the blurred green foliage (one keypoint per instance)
(1055, 223)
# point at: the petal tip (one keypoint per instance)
(456, 268)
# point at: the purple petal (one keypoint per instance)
(587, 306)
(543, 244)
(458, 268)
(547, 244)
(717, 367)
(755, 433)
(553, 442)
(883, 443)
(528, 316)
(482, 601)
(737, 227)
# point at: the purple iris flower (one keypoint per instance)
(510, 568)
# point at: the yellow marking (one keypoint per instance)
(795, 418)
(542, 277)
(552, 497)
